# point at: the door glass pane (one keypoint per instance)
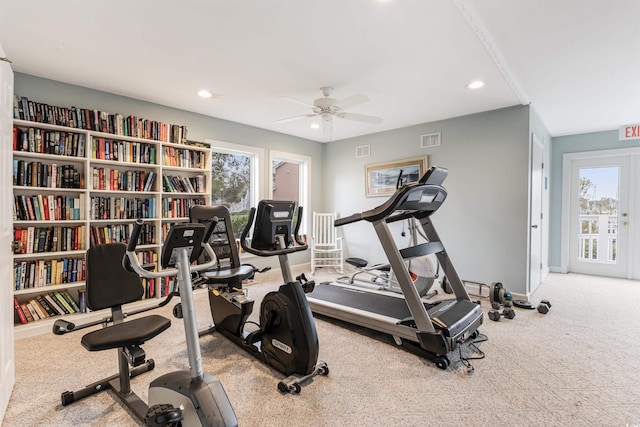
(598, 236)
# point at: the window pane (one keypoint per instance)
(231, 176)
(286, 181)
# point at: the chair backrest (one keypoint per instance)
(324, 232)
(222, 240)
(108, 283)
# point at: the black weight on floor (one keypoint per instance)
(544, 306)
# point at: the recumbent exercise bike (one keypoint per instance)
(286, 337)
(186, 397)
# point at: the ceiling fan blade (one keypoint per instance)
(286, 98)
(290, 119)
(361, 118)
(351, 101)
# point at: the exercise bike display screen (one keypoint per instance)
(273, 219)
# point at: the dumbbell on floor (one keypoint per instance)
(507, 312)
(544, 306)
(506, 304)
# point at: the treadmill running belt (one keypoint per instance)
(389, 306)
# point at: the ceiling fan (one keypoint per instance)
(327, 108)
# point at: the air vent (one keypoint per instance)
(363, 151)
(430, 140)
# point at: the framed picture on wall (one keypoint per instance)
(381, 178)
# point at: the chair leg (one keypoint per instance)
(69, 397)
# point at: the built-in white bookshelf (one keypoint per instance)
(75, 187)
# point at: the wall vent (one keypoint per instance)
(430, 140)
(363, 151)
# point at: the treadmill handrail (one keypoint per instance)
(347, 220)
(433, 178)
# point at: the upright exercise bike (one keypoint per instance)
(185, 397)
(286, 337)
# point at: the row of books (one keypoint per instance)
(95, 120)
(173, 207)
(121, 208)
(47, 305)
(184, 158)
(34, 140)
(168, 285)
(47, 272)
(146, 258)
(122, 180)
(48, 207)
(120, 233)
(38, 174)
(29, 240)
(183, 184)
(123, 151)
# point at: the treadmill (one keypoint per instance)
(433, 328)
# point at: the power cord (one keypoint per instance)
(473, 345)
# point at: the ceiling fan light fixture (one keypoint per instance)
(204, 93)
(314, 125)
(476, 84)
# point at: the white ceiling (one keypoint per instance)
(576, 61)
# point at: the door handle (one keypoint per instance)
(534, 226)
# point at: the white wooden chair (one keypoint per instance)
(326, 246)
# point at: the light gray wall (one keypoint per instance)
(484, 222)
(595, 141)
(200, 127)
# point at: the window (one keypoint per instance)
(235, 183)
(290, 180)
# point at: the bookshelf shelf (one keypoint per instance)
(22, 188)
(49, 288)
(49, 254)
(131, 166)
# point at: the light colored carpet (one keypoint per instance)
(575, 366)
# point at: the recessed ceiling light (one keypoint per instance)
(314, 126)
(475, 84)
(205, 93)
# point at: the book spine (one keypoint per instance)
(21, 315)
(27, 312)
(64, 302)
(53, 304)
(70, 300)
(32, 310)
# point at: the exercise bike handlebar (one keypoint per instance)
(62, 326)
(131, 259)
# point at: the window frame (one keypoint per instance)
(304, 183)
(257, 156)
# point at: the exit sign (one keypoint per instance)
(629, 132)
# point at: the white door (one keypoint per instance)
(536, 223)
(599, 216)
(7, 362)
